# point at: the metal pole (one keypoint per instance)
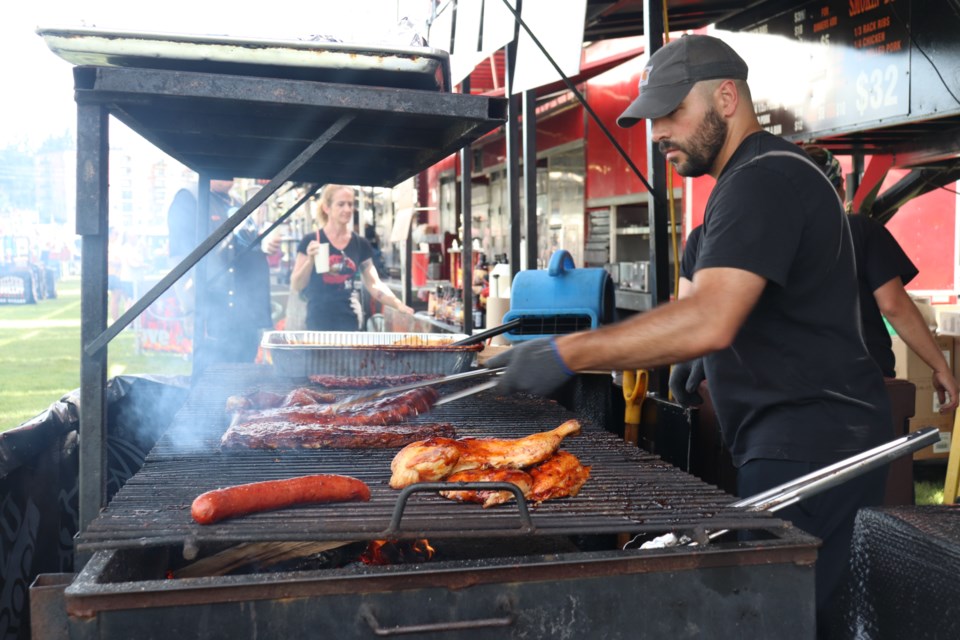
(201, 283)
(530, 174)
(466, 211)
(513, 153)
(653, 28)
(93, 224)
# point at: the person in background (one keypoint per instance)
(772, 308)
(882, 271)
(235, 300)
(328, 262)
(122, 263)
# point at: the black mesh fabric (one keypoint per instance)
(39, 481)
(905, 573)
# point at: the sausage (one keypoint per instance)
(254, 497)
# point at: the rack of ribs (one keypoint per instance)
(299, 397)
(370, 382)
(379, 423)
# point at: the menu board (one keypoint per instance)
(828, 66)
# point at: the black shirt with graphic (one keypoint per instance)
(328, 294)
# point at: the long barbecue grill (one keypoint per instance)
(490, 566)
(629, 491)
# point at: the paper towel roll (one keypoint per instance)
(500, 280)
(496, 308)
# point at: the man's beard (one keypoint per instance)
(703, 147)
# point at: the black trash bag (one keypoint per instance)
(39, 480)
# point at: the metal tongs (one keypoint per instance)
(791, 492)
(492, 332)
(369, 396)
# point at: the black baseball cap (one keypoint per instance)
(673, 70)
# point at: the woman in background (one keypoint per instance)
(328, 263)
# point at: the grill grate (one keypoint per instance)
(629, 491)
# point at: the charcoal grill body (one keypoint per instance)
(763, 587)
(663, 594)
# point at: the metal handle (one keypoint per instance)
(525, 520)
(436, 627)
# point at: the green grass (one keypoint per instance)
(928, 482)
(40, 355)
(928, 492)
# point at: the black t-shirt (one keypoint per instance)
(879, 260)
(797, 383)
(688, 261)
(328, 294)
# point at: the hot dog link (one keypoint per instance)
(254, 497)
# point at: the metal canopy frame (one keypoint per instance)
(228, 126)
(240, 126)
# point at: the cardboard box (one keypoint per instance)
(927, 402)
(939, 450)
(911, 367)
(948, 319)
(949, 323)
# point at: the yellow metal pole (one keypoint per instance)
(634, 391)
(953, 465)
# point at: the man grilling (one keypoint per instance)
(772, 308)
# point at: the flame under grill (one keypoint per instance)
(629, 491)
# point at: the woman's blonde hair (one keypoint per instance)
(326, 199)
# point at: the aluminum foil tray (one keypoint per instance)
(368, 64)
(357, 353)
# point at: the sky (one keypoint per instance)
(38, 101)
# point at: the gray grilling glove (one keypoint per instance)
(685, 379)
(532, 367)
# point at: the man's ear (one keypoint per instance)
(727, 96)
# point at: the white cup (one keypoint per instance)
(268, 240)
(321, 261)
